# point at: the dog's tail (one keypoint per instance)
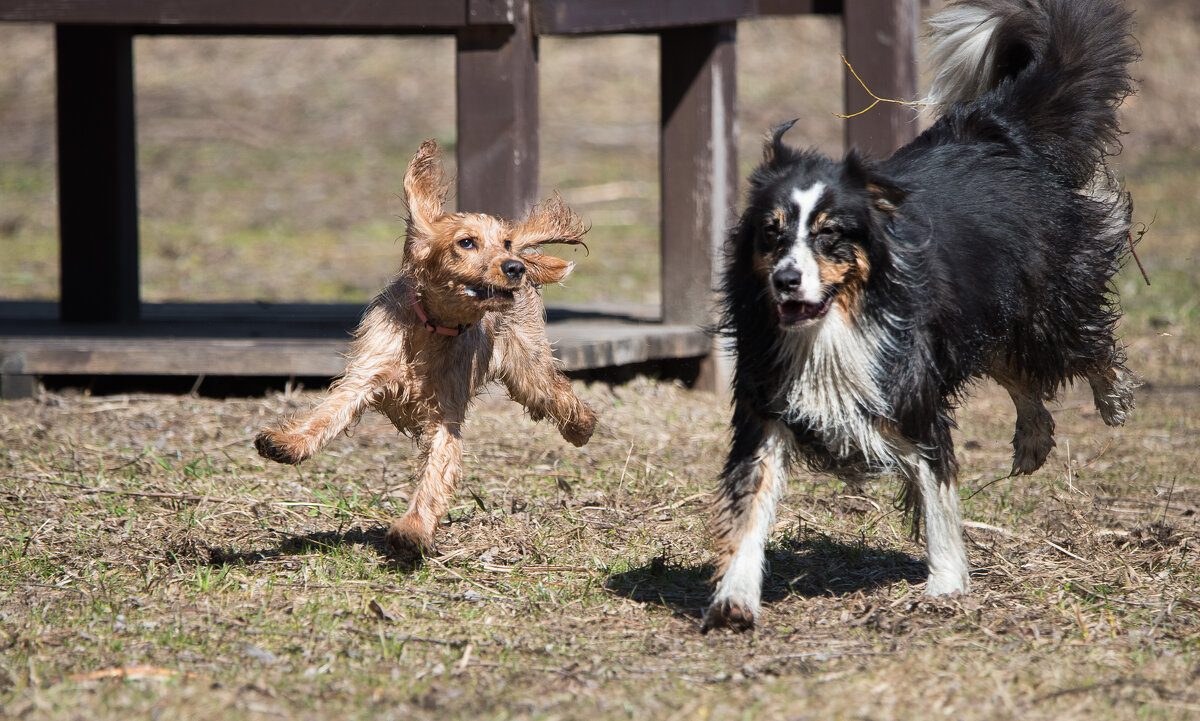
(1055, 67)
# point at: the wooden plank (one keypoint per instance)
(881, 44)
(14, 381)
(579, 345)
(570, 17)
(326, 14)
(497, 93)
(101, 355)
(698, 166)
(301, 339)
(97, 174)
(798, 7)
(552, 16)
(266, 320)
(491, 12)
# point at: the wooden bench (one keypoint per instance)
(100, 326)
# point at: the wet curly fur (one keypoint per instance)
(464, 310)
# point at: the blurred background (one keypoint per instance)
(270, 168)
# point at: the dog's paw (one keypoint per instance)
(947, 584)
(578, 431)
(1032, 441)
(279, 447)
(407, 541)
(1029, 454)
(727, 614)
(1113, 396)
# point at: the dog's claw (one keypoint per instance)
(726, 614)
(269, 446)
(406, 543)
(579, 431)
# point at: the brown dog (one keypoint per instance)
(464, 309)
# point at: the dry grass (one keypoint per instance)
(142, 533)
(152, 566)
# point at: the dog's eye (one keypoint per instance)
(466, 243)
(828, 230)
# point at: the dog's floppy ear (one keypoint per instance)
(886, 196)
(774, 150)
(542, 269)
(549, 222)
(425, 190)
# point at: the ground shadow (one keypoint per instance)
(818, 565)
(320, 542)
(812, 566)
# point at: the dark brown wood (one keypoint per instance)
(572, 17)
(798, 7)
(491, 12)
(552, 16)
(698, 164)
(583, 340)
(881, 44)
(105, 355)
(97, 175)
(497, 86)
(266, 320)
(14, 381)
(326, 14)
(497, 94)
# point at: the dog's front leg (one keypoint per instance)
(441, 460)
(525, 364)
(751, 485)
(944, 548)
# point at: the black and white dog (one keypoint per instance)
(864, 298)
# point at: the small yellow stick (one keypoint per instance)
(878, 99)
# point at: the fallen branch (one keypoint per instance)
(129, 673)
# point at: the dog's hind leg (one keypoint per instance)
(1112, 391)
(751, 485)
(441, 463)
(1034, 435)
(946, 553)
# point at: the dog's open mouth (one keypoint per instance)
(488, 292)
(796, 312)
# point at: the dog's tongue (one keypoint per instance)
(793, 312)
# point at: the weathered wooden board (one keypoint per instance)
(296, 14)
(580, 345)
(303, 341)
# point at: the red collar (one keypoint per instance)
(430, 325)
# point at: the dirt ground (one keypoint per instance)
(152, 565)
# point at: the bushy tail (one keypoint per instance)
(1055, 67)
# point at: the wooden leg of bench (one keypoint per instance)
(881, 43)
(14, 382)
(698, 170)
(498, 117)
(97, 175)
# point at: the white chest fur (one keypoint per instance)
(831, 386)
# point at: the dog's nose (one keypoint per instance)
(786, 280)
(514, 269)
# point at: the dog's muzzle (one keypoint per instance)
(794, 310)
